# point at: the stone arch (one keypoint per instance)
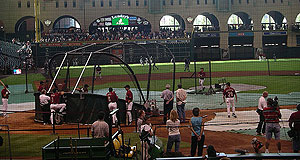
(26, 24)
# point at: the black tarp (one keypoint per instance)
(85, 107)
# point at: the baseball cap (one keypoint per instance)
(127, 86)
(6, 86)
(228, 83)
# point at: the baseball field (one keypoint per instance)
(252, 77)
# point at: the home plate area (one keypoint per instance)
(244, 120)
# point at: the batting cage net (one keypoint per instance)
(5, 142)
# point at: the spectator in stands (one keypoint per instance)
(197, 127)
(100, 128)
(141, 120)
(294, 123)
(174, 135)
(41, 86)
(5, 94)
(45, 105)
(272, 115)
(261, 127)
(181, 100)
(168, 97)
(56, 106)
(112, 99)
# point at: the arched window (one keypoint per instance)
(66, 22)
(274, 21)
(169, 22)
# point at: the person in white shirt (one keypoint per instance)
(146, 134)
(261, 127)
(174, 135)
(45, 105)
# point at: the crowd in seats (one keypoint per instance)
(206, 28)
(110, 34)
(232, 27)
(11, 57)
(274, 27)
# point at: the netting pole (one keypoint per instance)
(135, 119)
(195, 64)
(93, 81)
(78, 129)
(268, 67)
(88, 132)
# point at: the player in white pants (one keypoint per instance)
(5, 94)
(112, 106)
(228, 97)
(56, 107)
(129, 108)
(202, 78)
(129, 103)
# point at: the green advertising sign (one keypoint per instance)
(120, 21)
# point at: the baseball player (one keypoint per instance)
(202, 78)
(112, 99)
(44, 103)
(129, 103)
(5, 94)
(228, 95)
(55, 103)
(98, 71)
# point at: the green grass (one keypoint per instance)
(232, 65)
(274, 84)
(28, 145)
(217, 66)
(20, 79)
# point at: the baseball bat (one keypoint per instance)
(222, 103)
(2, 83)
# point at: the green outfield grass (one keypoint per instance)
(274, 84)
(217, 66)
(278, 84)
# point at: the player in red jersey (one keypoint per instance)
(228, 97)
(55, 103)
(112, 99)
(202, 78)
(41, 86)
(129, 103)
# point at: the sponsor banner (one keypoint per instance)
(200, 35)
(275, 33)
(240, 34)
